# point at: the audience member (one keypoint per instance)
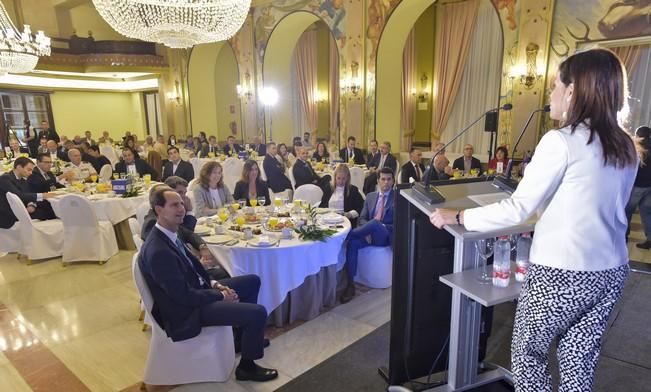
(304, 174)
(50, 134)
(259, 147)
(275, 170)
(15, 150)
(42, 146)
(376, 222)
(202, 138)
(211, 147)
(80, 170)
(210, 193)
(196, 142)
(131, 164)
(439, 147)
(186, 300)
(283, 156)
(351, 152)
(31, 138)
(345, 196)
(15, 182)
(42, 180)
(55, 151)
(77, 140)
(307, 142)
(189, 144)
(148, 145)
(321, 153)
(171, 141)
(89, 138)
(175, 166)
(467, 162)
(414, 168)
(231, 148)
(296, 143)
(442, 170)
(384, 159)
(373, 157)
(641, 193)
(251, 186)
(99, 160)
(161, 148)
(106, 139)
(501, 160)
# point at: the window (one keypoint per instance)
(152, 114)
(17, 106)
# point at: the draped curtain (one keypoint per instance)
(454, 28)
(407, 99)
(639, 80)
(480, 85)
(306, 76)
(630, 55)
(333, 84)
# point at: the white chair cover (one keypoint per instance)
(232, 172)
(357, 177)
(290, 175)
(309, 192)
(399, 176)
(286, 194)
(135, 232)
(291, 158)
(375, 266)
(208, 357)
(141, 212)
(105, 173)
(196, 165)
(47, 236)
(10, 239)
(85, 237)
(108, 151)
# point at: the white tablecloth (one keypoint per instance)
(283, 268)
(113, 209)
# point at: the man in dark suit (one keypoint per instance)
(175, 166)
(98, 160)
(55, 152)
(186, 300)
(373, 157)
(16, 183)
(414, 168)
(258, 147)
(442, 170)
(130, 165)
(275, 170)
(211, 147)
(351, 152)
(49, 133)
(304, 174)
(42, 180)
(231, 148)
(467, 162)
(384, 159)
(376, 222)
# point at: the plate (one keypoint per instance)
(202, 230)
(256, 241)
(321, 210)
(218, 239)
(331, 218)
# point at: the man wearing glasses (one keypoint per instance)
(42, 179)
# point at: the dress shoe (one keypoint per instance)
(644, 245)
(238, 345)
(258, 373)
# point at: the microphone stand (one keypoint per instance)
(430, 193)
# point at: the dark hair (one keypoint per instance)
(22, 162)
(387, 143)
(202, 136)
(157, 196)
(41, 155)
(246, 169)
(206, 171)
(504, 150)
(373, 141)
(414, 149)
(129, 139)
(133, 151)
(386, 170)
(351, 138)
(230, 137)
(169, 139)
(174, 181)
(270, 143)
(326, 154)
(43, 137)
(643, 132)
(94, 147)
(282, 145)
(170, 148)
(296, 140)
(599, 80)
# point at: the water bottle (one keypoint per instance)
(502, 262)
(522, 256)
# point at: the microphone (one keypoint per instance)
(432, 195)
(505, 182)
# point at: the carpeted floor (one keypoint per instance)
(625, 363)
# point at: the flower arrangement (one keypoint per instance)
(310, 231)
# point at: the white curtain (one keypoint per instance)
(407, 99)
(333, 94)
(306, 75)
(298, 115)
(639, 82)
(480, 85)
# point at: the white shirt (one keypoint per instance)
(216, 198)
(131, 169)
(83, 171)
(383, 159)
(582, 225)
(337, 199)
(173, 236)
(175, 165)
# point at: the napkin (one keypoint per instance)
(264, 240)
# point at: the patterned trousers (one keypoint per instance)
(573, 306)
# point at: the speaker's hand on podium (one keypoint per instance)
(441, 217)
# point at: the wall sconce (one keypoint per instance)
(528, 74)
(320, 97)
(424, 91)
(352, 85)
(174, 96)
(244, 91)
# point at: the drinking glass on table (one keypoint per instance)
(278, 202)
(272, 222)
(262, 201)
(222, 213)
(116, 176)
(242, 203)
(253, 201)
(484, 249)
(240, 220)
(147, 179)
(93, 177)
(235, 206)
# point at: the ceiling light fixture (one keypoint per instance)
(19, 52)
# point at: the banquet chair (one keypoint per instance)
(108, 151)
(86, 238)
(196, 166)
(142, 211)
(135, 232)
(374, 266)
(309, 192)
(357, 177)
(290, 175)
(39, 239)
(10, 239)
(232, 172)
(105, 173)
(208, 357)
(286, 194)
(156, 162)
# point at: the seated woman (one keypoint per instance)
(250, 186)
(189, 144)
(197, 146)
(321, 153)
(501, 156)
(210, 193)
(283, 155)
(345, 196)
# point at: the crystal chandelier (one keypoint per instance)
(175, 23)
(19, 52)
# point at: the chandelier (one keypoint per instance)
(175, 23)
(19, 52)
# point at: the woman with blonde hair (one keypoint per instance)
(345, 196)
(251, 186)
(210, 193)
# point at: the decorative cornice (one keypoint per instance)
(100, 60)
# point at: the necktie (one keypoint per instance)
(379, 209)
(350, 154)
(181, 248)
(309, 169)
(46, 176)
(417, 173)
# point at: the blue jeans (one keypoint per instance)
(640, 197)
(380, 236)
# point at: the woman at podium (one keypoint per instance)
(579, 256)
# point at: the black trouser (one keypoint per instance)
(324, 184)
(43, 211)
(246, 314)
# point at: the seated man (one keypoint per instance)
(175, 166)
(414, 168)
(55, 152)
(275, 170)
(42, 180)
(99, 160)
(304, 174)
(258, 147)
(383, 159)
(351, 152)
(15, 182)
(81, 170)
(442, 170)
(467, 162)
(375, 227)
(185, 300)
(231, 148)
(211, 147)
(131, 164)
(373, 157)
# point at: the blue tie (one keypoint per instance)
(181, 248)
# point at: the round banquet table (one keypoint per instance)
(298, 278)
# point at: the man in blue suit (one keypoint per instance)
(186, 300)
(375, 226)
